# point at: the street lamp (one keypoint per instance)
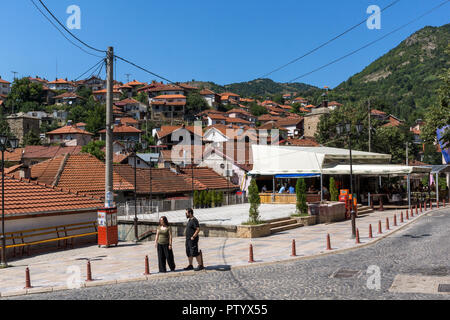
(347, 129)
(14, 143)
(130, 145)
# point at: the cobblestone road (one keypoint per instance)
(421, 249)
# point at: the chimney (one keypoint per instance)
(69, 122)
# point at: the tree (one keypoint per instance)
(96, 118)
(95, 148)
(333, 190)
(24, 96)
(300, 190)
(195, 103)
(31, 139)
(4, 126)
(142, 97)
(255, 202)
(196, 199)
(257, 110)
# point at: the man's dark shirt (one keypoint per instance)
(191, 227)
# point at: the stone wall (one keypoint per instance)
(22, 125)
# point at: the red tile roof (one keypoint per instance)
(23, 197)
(207, 179)
(68, 95)
(126, 101)
(123, 129)
(4, 81)
(135, 83)
(163, 181)
(15, 155)
(170, 96)
(60, 81)
(69, 130)
(304, 142)
(42, 152)
(377, 112)
(166, 130)
(83, 173)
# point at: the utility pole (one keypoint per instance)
(370, 128)
(109, 195)
(407, 145)
(14, 73)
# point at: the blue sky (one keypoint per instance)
(221, 41)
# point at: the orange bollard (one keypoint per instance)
(250, 259)
(387, 224)
(294, 251)
(407, 216)
(417, 211)
(27, 279)
(357, 237)
(147, 267)
(89, 273)
(437, 204)
(412, 212)
(395, 220)
(328, 242)
(421, 208)
(379, 227)
(370, 231)
(401, 217)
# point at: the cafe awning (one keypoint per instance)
(376, 170)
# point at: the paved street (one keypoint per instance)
(414, 259)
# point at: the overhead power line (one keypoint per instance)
(62, 33)
(148, 71)
(370, 43)
(95, 66)
(68, 31)
(324, 44)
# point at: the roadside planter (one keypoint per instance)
(327, 212)
(253, 231)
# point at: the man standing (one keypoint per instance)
(192, 231)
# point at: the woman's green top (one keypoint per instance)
(163, 236)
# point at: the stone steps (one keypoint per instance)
(287, 227)
(283, 225)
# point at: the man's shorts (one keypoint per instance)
(192, 247)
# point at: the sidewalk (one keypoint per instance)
(50, 272)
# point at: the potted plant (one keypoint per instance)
(333, 190)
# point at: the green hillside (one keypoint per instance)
(403, 81)
(257, 88)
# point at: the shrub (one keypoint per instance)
(333, 190)
(255, 201)
(300, 190)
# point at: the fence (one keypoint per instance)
(144, 207)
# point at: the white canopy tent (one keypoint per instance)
(269, 160)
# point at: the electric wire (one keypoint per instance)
(95, 66)
(324, 44)
(62, 33)
(68, 31)
(370, 43)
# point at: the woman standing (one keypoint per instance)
(163, 243)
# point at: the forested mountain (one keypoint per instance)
(404, 80)
(258, 88)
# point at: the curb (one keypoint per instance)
(97, 283)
